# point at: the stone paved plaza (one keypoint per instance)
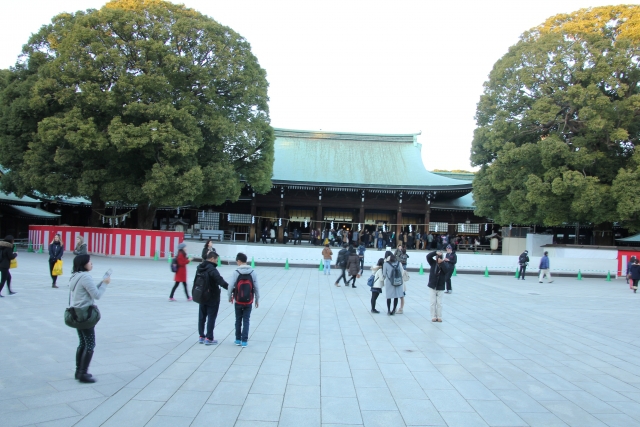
(508, 353)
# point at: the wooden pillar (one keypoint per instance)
(398, 224)
(319, 217)
(252, 229)
(361, 216)
(427, 219)
(281, 215)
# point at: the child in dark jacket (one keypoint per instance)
(6, 256)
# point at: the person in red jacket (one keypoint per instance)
(181, 274)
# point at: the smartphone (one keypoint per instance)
(107, 274)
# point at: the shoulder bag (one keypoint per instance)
(81, 318)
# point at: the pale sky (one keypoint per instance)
(401, 66)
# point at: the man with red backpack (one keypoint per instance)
(244, 291)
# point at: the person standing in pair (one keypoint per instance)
(181, 274)
(523, 261)
(56, 251)
(326, 256)
(208, 311)
(378, 283)
(391, 270)
(244, 291)
(437, 276)
(451, 258)
(6, 255)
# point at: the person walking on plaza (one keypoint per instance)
(353, 265)
(451, 258)
(378, 283)
(341, 263)
(326, 256)
(393, 286)
(56, 251)
(523, 261)
(401, 255)
(208, 311)
(629, 264)
(297, 239)
(265, 234)
(437, 277)
(208, 247)
(634, 272)
(244, 291)
(181, 275)
(6, 256)
(544, 268)
(83, 293)
(81, 246)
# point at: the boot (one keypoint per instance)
(85, 361)
(79, 352)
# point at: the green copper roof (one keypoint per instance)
(464, 203)
(355, 159)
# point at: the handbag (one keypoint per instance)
(81, 318)
(405, 276)
(57, 268)
(14, 263)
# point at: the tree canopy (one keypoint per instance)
(558, 123)
(142, 102)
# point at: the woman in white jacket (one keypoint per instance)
(84, 292)
(378, 283)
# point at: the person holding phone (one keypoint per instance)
(83, 293)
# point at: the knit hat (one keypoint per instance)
(182, 245)
(449, 247)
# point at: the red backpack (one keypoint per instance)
(243, 292)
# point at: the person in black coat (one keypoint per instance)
(451, 259)
(6, 255)
(523, 261)
(208, 247)
(56, 250)
(437, 276)
(341, 263)
(208, 311)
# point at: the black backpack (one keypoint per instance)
(243, 291)
(396, 275)
(522, 259)
(201, 291)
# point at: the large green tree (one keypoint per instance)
(143, 102)
(558, 123)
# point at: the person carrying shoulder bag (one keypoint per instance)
(82, 295)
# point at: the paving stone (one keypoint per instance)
(316, 354)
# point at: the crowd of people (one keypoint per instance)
(378, 239)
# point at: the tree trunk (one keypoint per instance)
(146, 215)
(97, 206)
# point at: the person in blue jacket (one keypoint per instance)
(544, 268)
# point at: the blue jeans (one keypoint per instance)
(327, 266)
(243, 313)
(207, 314)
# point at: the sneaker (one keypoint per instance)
(201, 340)
(353, 286)
(540, 281)
(399, 311)
(374, 311)
(237, 342)
(189, 299)
(172, 299)
(12, 293)
(337, 284)
(54, 286)
(244, 344)
(207, 341)
(550, 281)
